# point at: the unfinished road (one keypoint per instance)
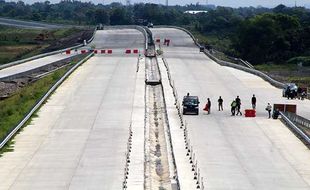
(79, 138)
(234, 152)
(110, 126)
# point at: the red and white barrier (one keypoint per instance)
(158, 40)
(131, 51)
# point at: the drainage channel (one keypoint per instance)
(160, 169)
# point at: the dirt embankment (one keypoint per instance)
(72, 40)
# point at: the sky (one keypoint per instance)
(230, 3)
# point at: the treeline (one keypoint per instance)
(77, 12)
(259, 35)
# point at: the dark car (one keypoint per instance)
(190, 105)
(201, 49)
(150, 25)
(290, 90)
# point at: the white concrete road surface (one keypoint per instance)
(235, 152)
(79, 139)
(30, 65)
(118, 40)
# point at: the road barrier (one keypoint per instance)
(41, 101)
(288, 120)
(298, 119)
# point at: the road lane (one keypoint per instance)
(236, 152)
(118, 40)
(79, 139)
(30, 65)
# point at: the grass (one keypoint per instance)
(303, 81)
(16, 43)
(219, 42)
(14, 108)
(288, 72)
(275, 67)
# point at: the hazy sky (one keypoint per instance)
(231, 3)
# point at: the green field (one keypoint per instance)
(18, 43)
(14, 108)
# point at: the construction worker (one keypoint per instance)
(220, 101)
(238, 102)
(268, 108)
(209, 106)
(233, 107)
(253, 101)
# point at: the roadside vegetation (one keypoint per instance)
(16, 43)
(14, 108)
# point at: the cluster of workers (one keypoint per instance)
(235, 106)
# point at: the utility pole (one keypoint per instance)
(167, 3)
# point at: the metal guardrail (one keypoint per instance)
(44, 54)
(291, 125)
(34, 70)
(298, 119)
(41, 101)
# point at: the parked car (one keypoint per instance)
(150, 25)
(290, 90)
(190, 105)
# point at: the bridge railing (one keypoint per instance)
(289, 118)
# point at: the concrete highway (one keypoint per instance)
(234, 152)
(79, 139)
(30, 65)
(104, 39)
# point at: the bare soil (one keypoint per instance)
(72, 40)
